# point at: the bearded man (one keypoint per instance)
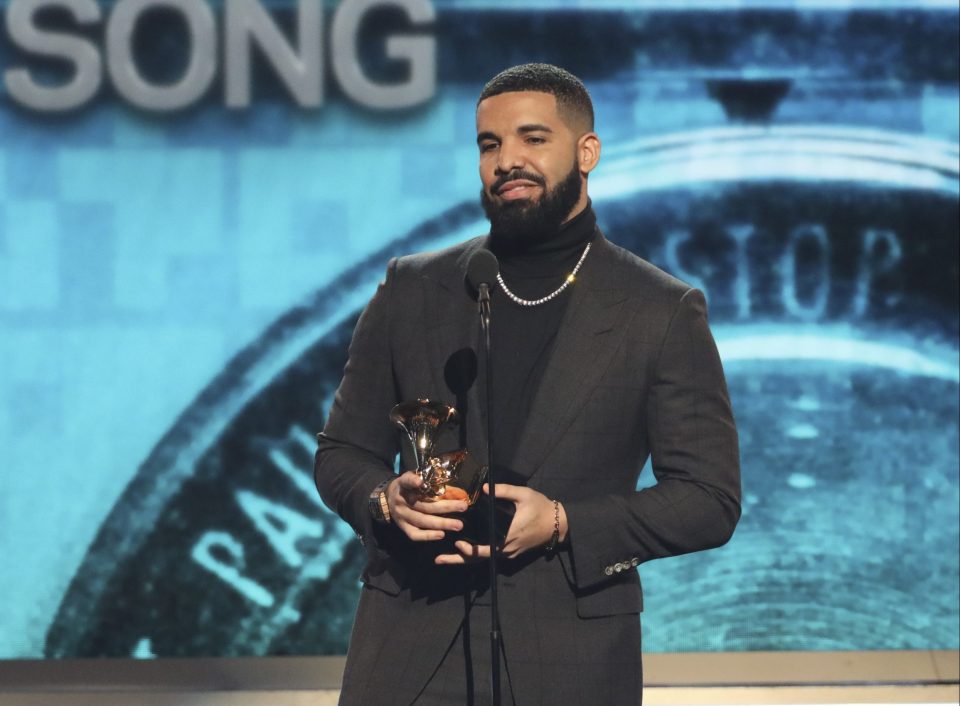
(599, 360)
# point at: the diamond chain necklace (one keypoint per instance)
(543, 300)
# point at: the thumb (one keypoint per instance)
(410, 480)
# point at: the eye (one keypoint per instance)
(535, 140)
(487, 146)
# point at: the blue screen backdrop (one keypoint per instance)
(177, 290)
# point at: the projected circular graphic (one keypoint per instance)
(835, 308)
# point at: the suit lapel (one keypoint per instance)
(588, 338)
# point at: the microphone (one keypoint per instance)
(482, 270)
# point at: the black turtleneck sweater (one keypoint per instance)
(522, 338)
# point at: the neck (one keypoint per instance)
(571, 237)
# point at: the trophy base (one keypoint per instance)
(455, 475)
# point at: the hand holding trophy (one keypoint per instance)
(455, 475)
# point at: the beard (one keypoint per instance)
(530, 220)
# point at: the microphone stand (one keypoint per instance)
(484, 301)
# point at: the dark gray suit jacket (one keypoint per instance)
(634, 372)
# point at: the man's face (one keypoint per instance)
(529, 165)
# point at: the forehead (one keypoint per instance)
(508, 111)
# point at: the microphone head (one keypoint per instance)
(482, 268)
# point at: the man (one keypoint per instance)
(599, 360)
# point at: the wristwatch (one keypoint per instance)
(377, 502)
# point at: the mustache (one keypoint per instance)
(517, 174)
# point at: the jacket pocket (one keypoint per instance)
(384, 574)
(624, 596)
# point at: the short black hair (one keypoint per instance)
(573, 101)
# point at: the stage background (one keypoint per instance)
(177, 289)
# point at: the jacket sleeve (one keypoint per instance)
(695, 503)
(358, 445)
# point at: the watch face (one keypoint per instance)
(378, 505)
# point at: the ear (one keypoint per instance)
(588, 151)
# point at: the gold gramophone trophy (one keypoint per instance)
(455, 475)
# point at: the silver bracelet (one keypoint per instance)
(551, 546)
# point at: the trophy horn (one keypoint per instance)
(455, 474)
(421, 420)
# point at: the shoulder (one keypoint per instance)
(652, 300)
(629, 272)
(436, 264)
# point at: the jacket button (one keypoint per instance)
(618, 568)
(634, 561)
(608, 571)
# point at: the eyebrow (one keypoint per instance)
(523, 130)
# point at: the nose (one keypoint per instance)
(510, 157)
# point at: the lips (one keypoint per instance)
(517, 189)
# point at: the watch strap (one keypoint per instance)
(377, 502)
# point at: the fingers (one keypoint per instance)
(409, 487)
(410, 480)
(506, 491)
(473, 551)
(468, 553)
(439, 507)
(420, 535)
(511, 549)
(423, 527)
(421, 520)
